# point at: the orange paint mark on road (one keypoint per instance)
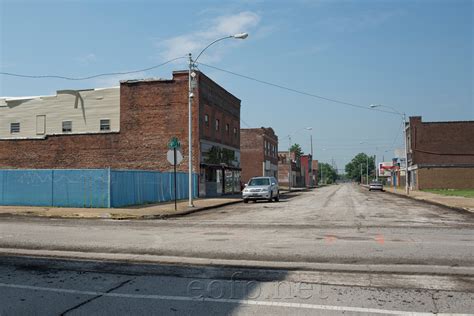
(380, 239)
(330, 239)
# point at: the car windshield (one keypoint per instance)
(258, 182)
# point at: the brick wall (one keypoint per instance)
(252, 150)
(445, 178)
(442, 142)
(151, 112)
(251, 153)
(219, 104)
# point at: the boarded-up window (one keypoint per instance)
(67, 126)
(105, 125)
(14, 128)
(40, 124)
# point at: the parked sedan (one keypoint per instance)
(261, 188)
(375, 185)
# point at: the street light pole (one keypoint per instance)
(403, 116)
(289, 165)
(190, 115)
(190, 133)
(367, 176)
(407, 188)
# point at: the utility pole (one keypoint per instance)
(376, 169)
(367, 179)
(361, 173)
(407, 188)
(190, 132)
(289, 163)
(322, 174)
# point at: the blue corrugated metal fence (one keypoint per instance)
(90, 187)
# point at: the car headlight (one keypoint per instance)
(264, 190)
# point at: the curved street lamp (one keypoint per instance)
(403, 117)
(190, 101)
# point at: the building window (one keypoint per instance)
(227, 128)
(217, 125)
(67, 126)
(206, 119)
(14, 128)
(105, 125)
(40, 124)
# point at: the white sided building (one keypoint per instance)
(67, 112)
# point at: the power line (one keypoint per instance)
(298, 91)
(213, 67)
(89, 77)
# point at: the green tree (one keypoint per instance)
(296, 148)
(326, 173)
(353, 168)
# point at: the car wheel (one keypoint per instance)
(277, 199)
(271, 197)
(246, 201)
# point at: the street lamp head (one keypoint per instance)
(240, 35)
(309, 128)
(374, 106)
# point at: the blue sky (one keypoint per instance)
(416, 56)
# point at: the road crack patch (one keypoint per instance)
(96, 297)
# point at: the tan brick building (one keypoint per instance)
(259, 153)
(151, 112)
(440, 154)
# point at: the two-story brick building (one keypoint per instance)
(127, 127)
(259, 152)
(440, 154)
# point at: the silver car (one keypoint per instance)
(375, 185)
(261, 188)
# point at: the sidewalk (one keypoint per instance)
(457, 202)
(152, 211)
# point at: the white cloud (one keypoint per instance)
(87, 59)
(217, 27)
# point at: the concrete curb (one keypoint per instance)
(127, 217)
(455, 208)
(187, 212)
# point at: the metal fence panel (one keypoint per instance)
(90, 187)
(135, 187)
(81, 188)
(26, 187)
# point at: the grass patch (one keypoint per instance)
(469, 193)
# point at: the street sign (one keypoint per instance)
(174, 157)
(174, 143)
(170, 157)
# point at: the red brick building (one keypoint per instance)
(307, 170)
(315, 172)
(151, 113)
(440, 154)
(289, 170)
(259, 153)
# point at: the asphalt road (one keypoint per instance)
(65, 292)
(336, 224)
(346, 251)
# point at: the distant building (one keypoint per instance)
(127, 128)
(440, 154)
(258, 153)
(289, 170)
(315, 167)
(307, 170)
